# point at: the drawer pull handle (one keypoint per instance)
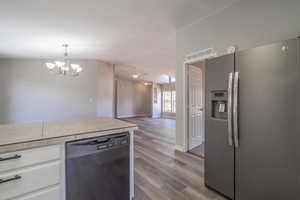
(11, 158)
(17, 177)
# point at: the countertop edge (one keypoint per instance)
(28, 144)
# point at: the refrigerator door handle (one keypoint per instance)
(229, 109)
(235, 109)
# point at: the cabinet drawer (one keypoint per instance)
(30, 179)
(49, 194)
(15, 160)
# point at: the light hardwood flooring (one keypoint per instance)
(161, 173)
(198, 151)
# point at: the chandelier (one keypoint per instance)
(64, 67)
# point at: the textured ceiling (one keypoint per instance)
(136, 33)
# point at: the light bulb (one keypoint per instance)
(50, 66)
(135, 76)
(75, 66)
(59, 64)
(79, 69)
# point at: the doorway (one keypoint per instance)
(195, 108)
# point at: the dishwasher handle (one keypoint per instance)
(95, 142)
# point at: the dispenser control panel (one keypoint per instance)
(219, 104)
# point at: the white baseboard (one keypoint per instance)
(156, 116)
(137, 115)
(168, 115)
(179, 148)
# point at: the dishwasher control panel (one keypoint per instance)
(113, 141)
(102, 143)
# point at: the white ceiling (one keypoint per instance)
(136, 33)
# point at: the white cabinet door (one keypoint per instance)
(32, 179)
(49, 194)
(15, 160)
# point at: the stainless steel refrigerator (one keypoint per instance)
(252, 123)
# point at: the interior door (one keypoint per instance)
(219, 153)
(195, 107)
(267, 159)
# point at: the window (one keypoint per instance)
(169, 101)
(174, 101)
(155, 96)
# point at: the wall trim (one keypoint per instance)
(156, 116)
(168, 115)
(179, 148)
(197, 58)
(136, 115)
(200, 55)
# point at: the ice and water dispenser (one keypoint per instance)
(219, 104)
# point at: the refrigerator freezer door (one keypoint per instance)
(268, 156)
(219, 155)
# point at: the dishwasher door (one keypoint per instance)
(98, 168)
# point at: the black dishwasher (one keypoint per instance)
(98, 168)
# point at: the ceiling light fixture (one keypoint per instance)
(64, 67)
(135, 76)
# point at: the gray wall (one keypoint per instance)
(133, 99)
(30, 93)
(246, 24)
(105, 83)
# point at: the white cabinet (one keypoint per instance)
(31, 174)
(31, 179)
(48, 194)
(19, 159)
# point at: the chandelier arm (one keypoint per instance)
(66, 67)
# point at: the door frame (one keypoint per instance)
(202, 69)
(191, 59)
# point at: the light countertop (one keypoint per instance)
(59, 131)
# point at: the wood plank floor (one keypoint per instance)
(198, 151)
(161, 173)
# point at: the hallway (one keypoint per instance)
(161, 173)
